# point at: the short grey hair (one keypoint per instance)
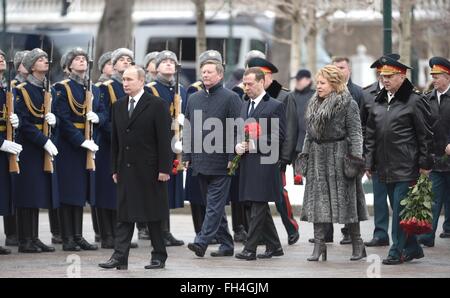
(219, 66)
(139, 70)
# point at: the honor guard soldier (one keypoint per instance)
(398, 148)
(165, 87)
(36, 186)
(380, 197)
(7, 147)
(106, 194)
(77, 105)
(9, 221)
(439, 99)
(150, 67)
(63, 64)
(105, 67)
(277, 91)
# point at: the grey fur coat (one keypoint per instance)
(333, 130)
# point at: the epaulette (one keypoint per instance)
(21, 85)
(428, 92)
(62, 82)
(285, 89)
(98, 84)
(417, 91)
(108, 82)
(151, 84)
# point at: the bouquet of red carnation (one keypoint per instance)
(175, 164)
(298, 179)
(251, 131)
(416, 215)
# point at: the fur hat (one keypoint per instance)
(208, 56)
(104, 58)
(165, 55)
(18, 58)
(119, 53)
(29, 60)
(74, 53)
(149, 58)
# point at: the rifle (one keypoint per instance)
(10, 131)
(224, 54)
(177, 107)
(89, 127)
(46, 129)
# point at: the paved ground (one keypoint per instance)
(182, 262)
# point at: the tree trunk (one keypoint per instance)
(281, 51)
(311, 40)
(200, 45)
(296, 47)
(115, 28)
(405, 32)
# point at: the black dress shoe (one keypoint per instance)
(240, 236)
(197, 249)
(346, 240)
(11, 241)
(271, 253)
(84, 245)
(311, 240)
(444, 235)
(392, 261)
(426, 241)
(246, 255)
(134, 245)
(155, 264)
(377, 242)
(29, 247)
(172, 241)
(114, 263)
(42, 246)
(56, 239)
(293, 238)
(70, 245)
(222, 253)
(4, 251)
(409, 258)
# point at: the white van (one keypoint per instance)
(153, 35)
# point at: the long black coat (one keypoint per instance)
(440, 114)
(260, 182)
(140, 149)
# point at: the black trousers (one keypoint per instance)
(9, 224)
(261, 226)
(238, 217)
(124, 234)
(53, 217)
(198, 212)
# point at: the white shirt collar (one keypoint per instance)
(258, 99)
(390, 96)
(136, 98)
(446, 90)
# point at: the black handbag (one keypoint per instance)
(353, 166)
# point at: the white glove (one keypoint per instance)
(11, 147)
(51, 119)
(93, 117)
(50, 147)
(90, 145)
(180, 119)
(240, 148)
(14, 120)
(177, 147)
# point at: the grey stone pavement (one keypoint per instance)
(182, 263)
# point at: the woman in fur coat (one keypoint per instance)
(332, 195)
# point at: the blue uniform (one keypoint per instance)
(34, 188)
(6, 206)
(176, 195)
(76, 184)
(106, 196)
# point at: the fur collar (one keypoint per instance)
(402, 94)
(320, 111)
(274, 89)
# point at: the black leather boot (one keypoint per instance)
(320, 248)
(78, 232)
(25, 231)
(67, 234)
(4, 251)
(358, 248)
(35, 230)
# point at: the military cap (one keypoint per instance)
(377, 64)
(391, 66)
(210, 55)
(119, 53)
(104, 58)
(29, 60)
(254, 54)
(70, 55)
(165, 55)
(18, 57)
(265, 65)
(439, 65)
(149, 58)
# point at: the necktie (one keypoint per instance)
(252, 109)
(130, 111)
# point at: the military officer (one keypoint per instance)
(105, 67)
(164, 86)
(34, 187)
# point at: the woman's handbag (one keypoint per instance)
(353, 166)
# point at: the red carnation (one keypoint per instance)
(298, 179)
